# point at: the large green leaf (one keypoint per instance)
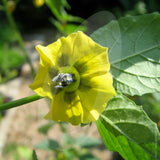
(134, 52)
(125, 128)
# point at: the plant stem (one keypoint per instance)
(19, 102)
(18, 35)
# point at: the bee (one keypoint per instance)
(63, 80)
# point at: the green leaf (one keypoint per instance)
(134, 52)
(68, 153)
(125, 128)
(87, 156)
(45, 128)
(48, 145)
(34, 155)
(87, 142)
(67, 140)
(5, 33)
(57, 8)
(24, 152)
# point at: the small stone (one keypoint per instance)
(26, 70)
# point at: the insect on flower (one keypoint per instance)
(63, 80)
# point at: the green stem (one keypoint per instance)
(19, 102)
(18, 35)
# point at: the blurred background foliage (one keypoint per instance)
(11, 58)
(65, 16)
(33, 14)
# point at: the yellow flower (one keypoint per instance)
(38, 3)
(74, 75)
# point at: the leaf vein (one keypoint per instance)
(135, 75)
(141, 33)
(126, 135)
(149, 59)
(129, 87)
(136, 54)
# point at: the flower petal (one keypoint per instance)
(98, 91)
(42, 82)
(67, 50)
(93, 65)
(51, 52)
(66, 107)
(77, 45)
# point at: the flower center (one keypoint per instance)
(68, 78)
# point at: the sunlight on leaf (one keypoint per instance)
(125, 128)
(134, 52)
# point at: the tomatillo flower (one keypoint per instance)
(74, 75)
